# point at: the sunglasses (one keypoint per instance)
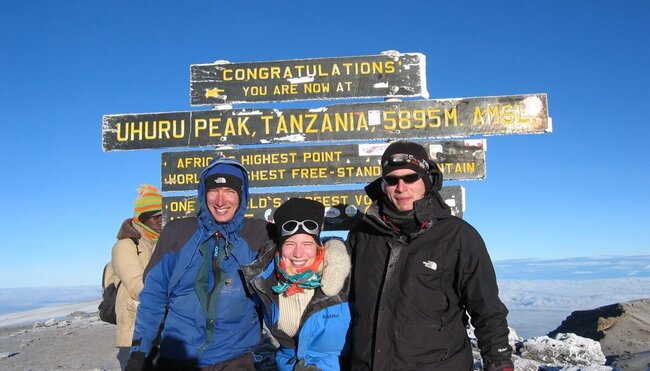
(392, 180)
(291, 226)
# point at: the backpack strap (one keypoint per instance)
(136, 241)
(104, 276)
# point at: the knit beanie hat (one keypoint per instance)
(396, 156)
(299, 215)
(223, 175)
(406, 155)
(148, 203)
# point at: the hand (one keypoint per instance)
(302, 367)
(500, 366)
(136, 362)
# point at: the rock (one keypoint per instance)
(605, 324)
(576, 368)
(635, 361)
(567, 352)
(564, 349)
(50, 322)
(622, 329)
(523, 364)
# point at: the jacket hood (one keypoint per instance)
(206, 220)
(127, 230)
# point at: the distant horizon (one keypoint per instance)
(571, 268)
(539, 293)
(536, 306)
(20, 299)
(574, 268)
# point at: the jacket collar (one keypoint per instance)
(427, 210)
(128, 230)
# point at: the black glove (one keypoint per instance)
(506, 365)
(136, 362)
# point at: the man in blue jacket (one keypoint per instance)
(193, 284)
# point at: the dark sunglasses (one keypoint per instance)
(291, 226)
(392, 180)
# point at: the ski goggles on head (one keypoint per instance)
(401, 159)
(291, 226)
(392, 180)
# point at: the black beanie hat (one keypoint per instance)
(223, 180)
(420, 156)
(418, 160)
(299, 215)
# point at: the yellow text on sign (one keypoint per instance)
(502, 114)
(217, 127)
(130, 131)
(187, 206)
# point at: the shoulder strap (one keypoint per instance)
(107, 280)
(104, 275)
(136, 241)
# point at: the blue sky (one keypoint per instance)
(578, 192)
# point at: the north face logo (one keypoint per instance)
(430, 264)
(220, 180)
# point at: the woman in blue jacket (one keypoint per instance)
(303, 286)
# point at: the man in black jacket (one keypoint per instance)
(418, 273)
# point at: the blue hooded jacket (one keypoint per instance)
(322, 338)
(193, 283)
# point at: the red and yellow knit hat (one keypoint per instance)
(148, 203)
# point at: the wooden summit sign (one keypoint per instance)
(391, 74)
(332, 153)
(444, 118)
(319, 165)
(343, 208)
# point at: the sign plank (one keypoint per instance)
(276, 166)
(433, 119)
(386, 75)
(343, 208)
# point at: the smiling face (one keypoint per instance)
(223, 203)
(403, 194)
(299, 251)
